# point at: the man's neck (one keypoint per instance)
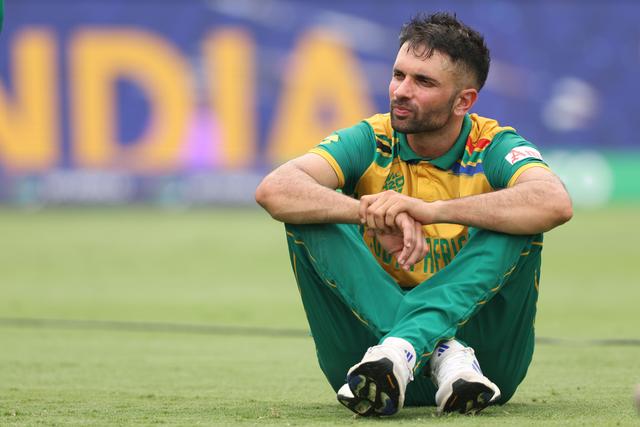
(434, 144)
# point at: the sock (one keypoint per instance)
(406, 348)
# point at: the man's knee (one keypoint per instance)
(507, 390)
(507, 381)
(311, 229)
(325, 238)
(296, 228)
(334, 366)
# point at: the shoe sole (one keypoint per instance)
(375, 389)
(360, 406)
(468, 397)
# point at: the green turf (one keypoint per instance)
(229, 267)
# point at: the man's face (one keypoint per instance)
(422, 92)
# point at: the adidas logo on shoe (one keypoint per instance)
(461, 385)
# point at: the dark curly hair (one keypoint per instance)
(444, 33)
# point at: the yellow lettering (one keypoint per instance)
(229, 57)
(98, 59)
(29, 132)
(323, 90)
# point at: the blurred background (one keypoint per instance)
(135, 266)
(190, 103)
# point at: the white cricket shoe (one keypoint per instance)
(377, 384)
(461, 385)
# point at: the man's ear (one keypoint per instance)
(464, 102)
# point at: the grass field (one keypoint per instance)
(193, 318)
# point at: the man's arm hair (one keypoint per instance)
(536, 203)
(302, 191)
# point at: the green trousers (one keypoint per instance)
(486, 297)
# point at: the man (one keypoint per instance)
(440, 275)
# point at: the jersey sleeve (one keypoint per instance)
(507, 157)
(349, 151)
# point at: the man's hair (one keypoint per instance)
(444, 33)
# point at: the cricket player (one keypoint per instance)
(420, 277)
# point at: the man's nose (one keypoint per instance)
(403, 90)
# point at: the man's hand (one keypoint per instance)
(405, 240)
(380, 211)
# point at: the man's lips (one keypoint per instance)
(399, 111)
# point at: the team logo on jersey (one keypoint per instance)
(394, 181)
(521, 153)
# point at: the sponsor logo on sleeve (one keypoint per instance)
(521, 153)
(330, 139)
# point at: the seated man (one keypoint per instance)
(429, 256)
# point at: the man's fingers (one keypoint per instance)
(392, 211)
(365, 202)
(376, 214)
(417, 252)
(373, 219)
(388, 214)
(408, 232)
(408, 237)
(380, 210)
(405, 223)
(378, 218)
(371, 222)
(425, 249)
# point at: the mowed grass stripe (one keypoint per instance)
(110, 269)
(164, 327)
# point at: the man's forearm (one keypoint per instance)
(290, 195)
(528, 208)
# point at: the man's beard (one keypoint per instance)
(428, 121)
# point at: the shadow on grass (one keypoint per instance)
(334, 413)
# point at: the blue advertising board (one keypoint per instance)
(140, 97)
